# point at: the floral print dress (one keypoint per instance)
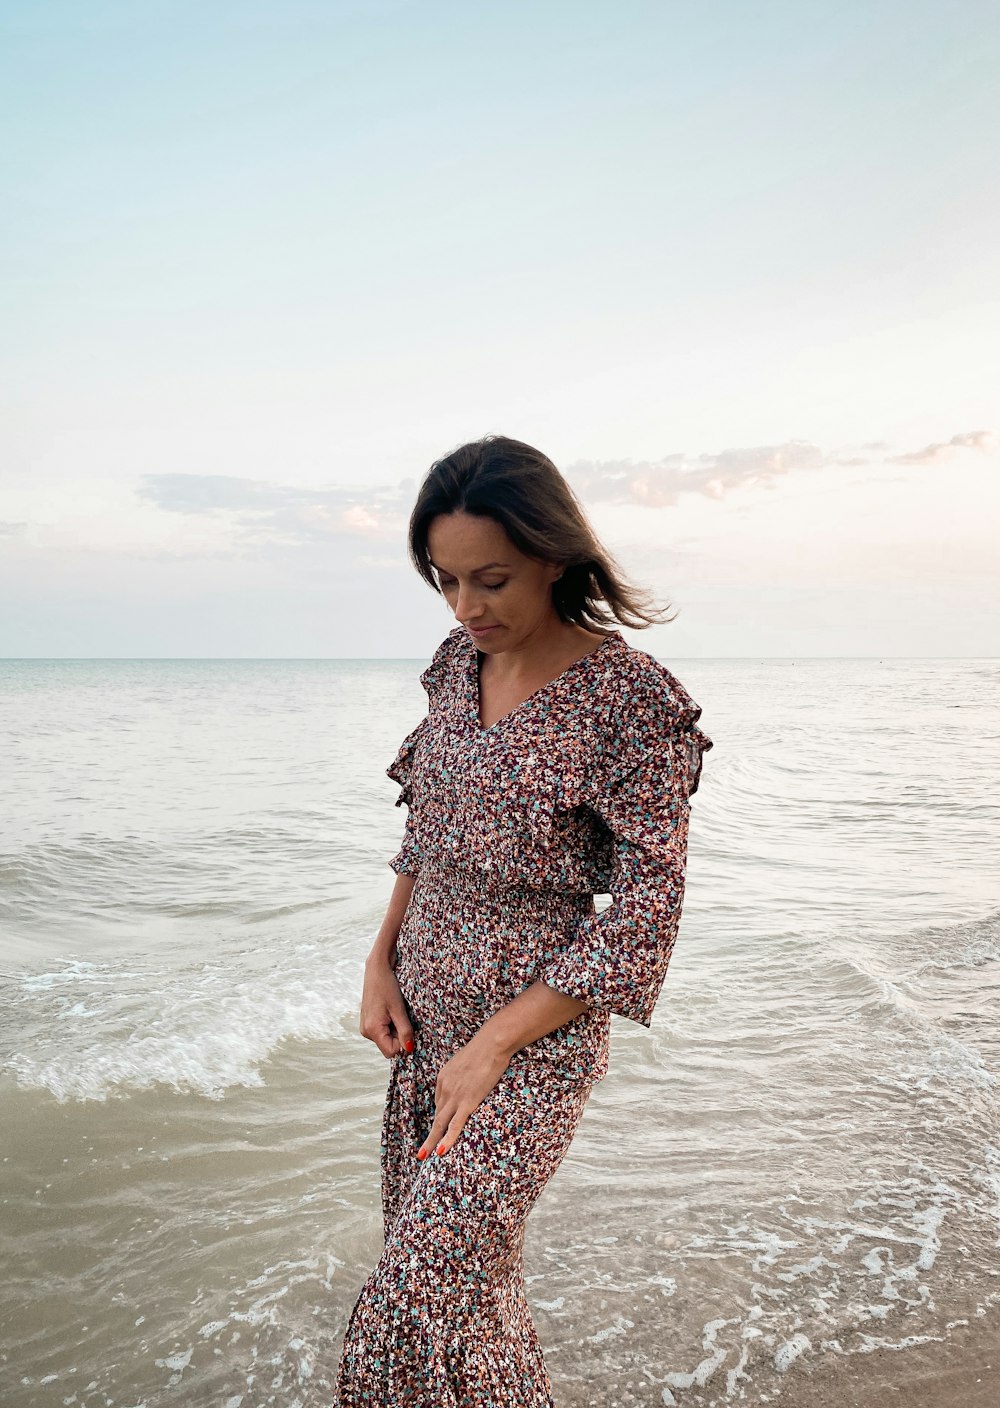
(584, 787)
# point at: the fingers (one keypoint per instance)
(449, 1121)
(455, 1127)
(434, 1141)
(404, 1027)
(392, 1033)
(444, 1109)
(383, 1038)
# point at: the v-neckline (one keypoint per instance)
(474, 692)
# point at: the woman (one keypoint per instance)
(555, 762)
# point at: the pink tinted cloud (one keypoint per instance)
(265, 511)
(983, 440)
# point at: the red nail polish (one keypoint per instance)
(440, 1148)
(408, 1045)
(421, 1153)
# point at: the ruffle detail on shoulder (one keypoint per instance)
(435, 678)
(655, 723)
(438, 672)
(401, 767)
(695, 742)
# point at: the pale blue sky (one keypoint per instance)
(733, 267)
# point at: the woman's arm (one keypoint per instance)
(384, 1018)
(532, 1014)
(384, 948)
(468, 1077)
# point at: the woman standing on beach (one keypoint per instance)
(555, 762)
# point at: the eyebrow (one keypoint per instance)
(477, 570)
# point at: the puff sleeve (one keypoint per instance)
(617, 960)
(407, 859)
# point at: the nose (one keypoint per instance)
(465, 607)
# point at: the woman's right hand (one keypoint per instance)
(384, 1018)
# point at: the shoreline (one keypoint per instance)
(961, 1370)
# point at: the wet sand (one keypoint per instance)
(961, 1372)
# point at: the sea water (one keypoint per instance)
(799, 1160)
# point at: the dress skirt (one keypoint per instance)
(443, 1321)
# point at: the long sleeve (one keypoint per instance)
(617, 960)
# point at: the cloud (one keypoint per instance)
(260, 512)
(983, 440)
(207, 493)
(660, 483)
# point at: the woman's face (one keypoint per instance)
(488, 582)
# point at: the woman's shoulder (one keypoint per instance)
(647, 716)
(645, 690)
(446, 657)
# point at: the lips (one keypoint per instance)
(481, 630)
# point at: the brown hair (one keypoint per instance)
(521, 489)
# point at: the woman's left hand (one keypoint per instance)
(463, 1083)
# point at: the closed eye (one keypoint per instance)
(490, 586)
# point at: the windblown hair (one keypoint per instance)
(521, 489)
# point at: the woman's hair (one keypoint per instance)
(521, 489)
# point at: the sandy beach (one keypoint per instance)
(960, 1372)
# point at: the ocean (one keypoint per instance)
(799, 1161)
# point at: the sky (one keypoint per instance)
(733, 267)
